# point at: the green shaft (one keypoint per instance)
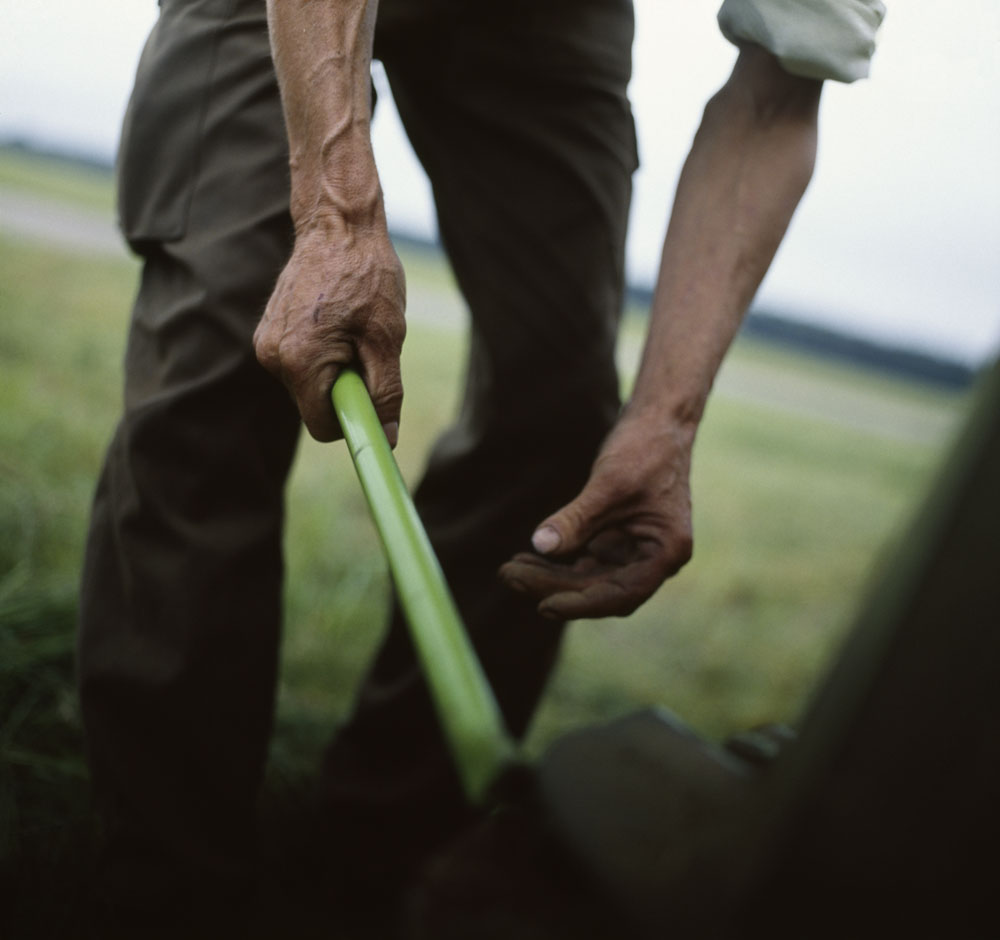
(465, 703)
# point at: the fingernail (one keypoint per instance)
(545, 540)
(391, 432)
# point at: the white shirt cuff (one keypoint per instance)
(824, 39)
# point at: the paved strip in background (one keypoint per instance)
(82, 231)
(793, 391)
(864, 410)
(790, 391)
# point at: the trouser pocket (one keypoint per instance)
(158, 154)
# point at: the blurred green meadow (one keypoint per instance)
(804, 473)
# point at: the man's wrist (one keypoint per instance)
(336, 214)
(671, 414)
(335, 184)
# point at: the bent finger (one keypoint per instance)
(383, 379)
(601, 598)
(540, 578)
(312, 396)
(603, 591)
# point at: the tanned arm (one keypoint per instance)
(340, 299)
(630, 528)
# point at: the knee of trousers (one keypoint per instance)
(196, 399)
(535, 409)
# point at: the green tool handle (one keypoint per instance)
(467, 709)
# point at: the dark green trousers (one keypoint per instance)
(518, 112)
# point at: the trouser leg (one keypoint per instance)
(519, 115)
(180, 600)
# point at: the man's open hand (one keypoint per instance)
(339, 302)
(629, 529)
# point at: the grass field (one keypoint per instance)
(794, 507)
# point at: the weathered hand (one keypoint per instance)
(339, 302)
(608, 550)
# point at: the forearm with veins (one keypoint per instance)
(322, 53)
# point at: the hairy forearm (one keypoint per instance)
(749, 165)
(322, 54)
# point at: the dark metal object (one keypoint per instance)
(882, 818)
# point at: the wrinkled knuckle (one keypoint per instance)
(298, 357)
(393, 397)
(294, 362)
(262, 332)
(266, 350)
(398, 331)
(388, 333)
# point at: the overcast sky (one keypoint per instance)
(898, 237)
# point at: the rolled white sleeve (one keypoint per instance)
(826, 39)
